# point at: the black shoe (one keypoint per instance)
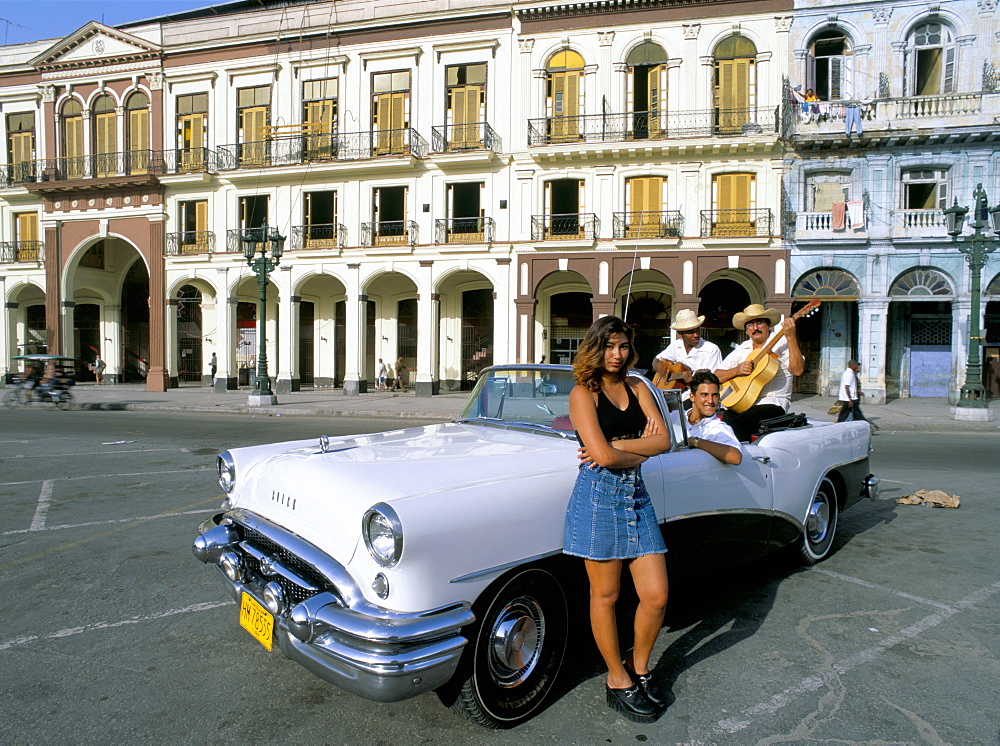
(654, 693)
(633, 705)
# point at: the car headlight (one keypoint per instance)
(226, 468)
(383, 534)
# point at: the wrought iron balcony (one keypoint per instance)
(464, 230)
(344, 146)
(18, 173)
(319, 236)
(389, 233)
(736, 223)
(647, 125)
(564, 227)
(188, 160)
(236, 236)
(452, 138)
(103, 165)
(13, 252)
(191, 242)
(667, 224)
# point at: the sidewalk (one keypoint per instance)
(897, 415)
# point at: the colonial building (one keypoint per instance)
(864, 203)
(457, 183)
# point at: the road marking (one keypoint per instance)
(111, 522)
(112, 476)
(72, 631)
(745, 719)
(42, 509)
(114, 452)
(882, 588)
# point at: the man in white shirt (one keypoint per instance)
(707, 432)
(689, 349)
(775, 396)
(847, 395)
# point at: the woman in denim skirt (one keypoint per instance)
(610, 520)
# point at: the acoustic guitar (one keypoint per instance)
(671, 377)
(743, 391)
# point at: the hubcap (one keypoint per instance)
(818, 522)
(516, 641)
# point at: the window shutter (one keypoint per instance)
(948, 82)
(138, 129)
(22, 147)
(26, 225)
(201, 215)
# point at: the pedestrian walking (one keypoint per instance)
(213, 366)
(397, 381)
(380, 384)
(849, 395)
(98, 367)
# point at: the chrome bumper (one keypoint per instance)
(870, 486)
(367, 650)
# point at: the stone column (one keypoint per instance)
(525, 332)
(7, 332)
(287, 366)
(226, 377)
(53, 289)
(66, 309)
(961, 309)
(502, 293)
(355, 328)
(170, 342)
(603, 307)
(157, 377)
(873, 317)
(428, 314)
(111, 330)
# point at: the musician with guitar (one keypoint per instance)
(686, 354)
(757, 375)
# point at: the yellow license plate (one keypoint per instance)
(256, 620)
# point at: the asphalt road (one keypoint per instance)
(111, 631)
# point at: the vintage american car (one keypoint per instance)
(401, 562)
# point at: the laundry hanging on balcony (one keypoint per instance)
(848, 214)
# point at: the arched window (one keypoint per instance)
(921, 282)
(105, 133)
(646, 89)
(831, 66)
(931, 60)
(72, 140)
(137, 133)
(735, 87)
(827, 283)
(564, 96)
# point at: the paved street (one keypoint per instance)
(113, 632)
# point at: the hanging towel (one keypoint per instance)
(839, 211)
(856, 211)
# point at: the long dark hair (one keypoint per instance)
(588, 363)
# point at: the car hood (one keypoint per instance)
(322, 497)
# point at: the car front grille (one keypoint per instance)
(294, 592)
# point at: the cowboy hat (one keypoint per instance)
(755, 311)
(687, 320)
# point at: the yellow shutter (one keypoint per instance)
(201, 215)
(657, 86)
(22, 147)
(565, 106)
(138, 141)
(253, 135)
(732, 95)
(319, 129)
(105, 143)
(733, 202)
(390, 120)
(192, 131)
(645, 207)
(464, 114)
(73, 147)
(26, 226)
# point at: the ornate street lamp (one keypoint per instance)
(262, 266)
(976, 248)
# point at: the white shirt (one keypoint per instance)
(381, 370)
(703, 356)
(779, 389)
(713, 429)
(848, 381)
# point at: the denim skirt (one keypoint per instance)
(610, 516)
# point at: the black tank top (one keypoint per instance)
(617, 424)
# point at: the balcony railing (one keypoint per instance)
(319, 236)
(736, 223)
(645, 125)
(464, 230)
(564, 227)
(389, 233)
(667, 224)
(188, 160)
(12, 252)
(919, 224)
(344, 146)
(915, 111)
(452, 138)
(191, 242)
(236, 236)
(128, 163)
(18, 173)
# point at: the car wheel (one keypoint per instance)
(11, 399)
(517, 650)
(821, 524)
(65, 401)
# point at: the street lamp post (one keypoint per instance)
(972, 402)
(262, 266)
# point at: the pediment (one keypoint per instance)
(95, 44)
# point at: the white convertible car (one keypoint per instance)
(429, 558)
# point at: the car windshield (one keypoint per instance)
(538, 396)
(523, 396)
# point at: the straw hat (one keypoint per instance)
(755, 311)
(687, 320)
